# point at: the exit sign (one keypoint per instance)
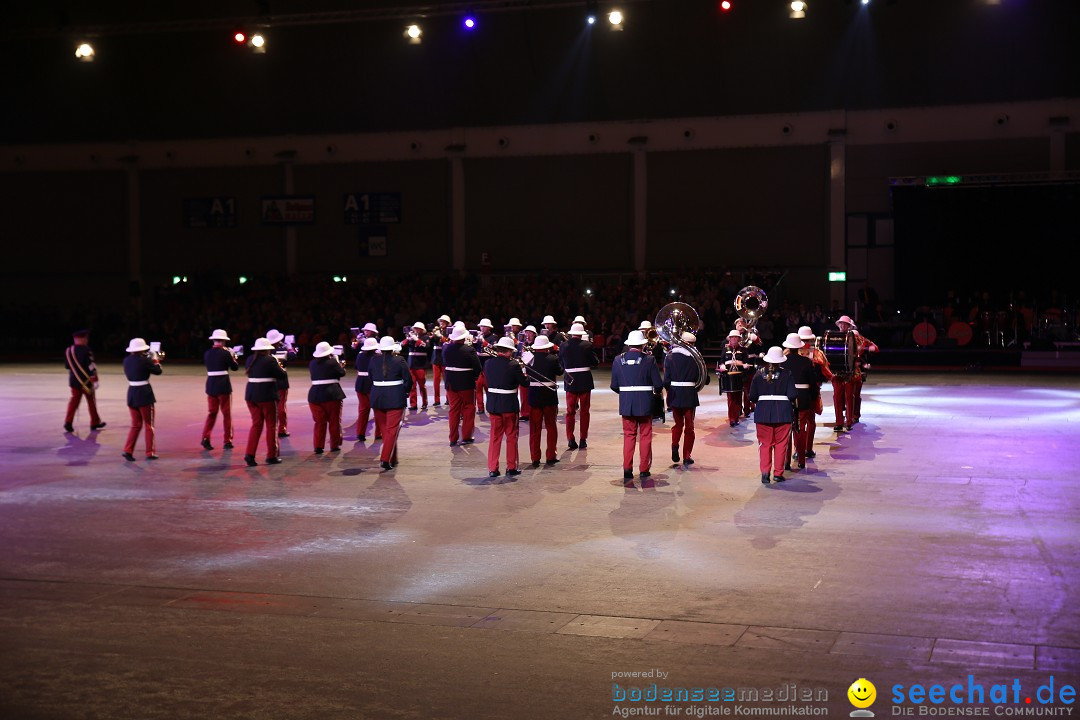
(837, 277)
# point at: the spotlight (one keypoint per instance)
(798, 9)
(591, 19)
(414, 33)
(671, 291)
(175, 279)
(469, 22)
(85, 52)
(239, 38)
(865, 2)
(243, 279)
(588, 291)
(258, 43)
(615, 17)
(725, 5)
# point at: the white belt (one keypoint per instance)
(455, 369)
(325, 382)
(362, 374)
(262, 380)
(217, 373)
(783, 398)
(387, 383)
(802, 387)
(136, 383)
(680, 383)
(637, 388)
(420, 354)
(500, 391)
(578, 369)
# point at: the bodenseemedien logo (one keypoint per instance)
(862, 694)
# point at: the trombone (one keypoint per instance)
(530, 372)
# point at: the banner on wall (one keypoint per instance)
(373, 208)
(373, 241)
(210, 212)
(288, 210)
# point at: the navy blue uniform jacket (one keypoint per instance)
(363, 379)
(541, 392)
(503, 374)
(283, 381)
(462, 367)
(85, 359)
(387, 368)
(806, 377)
(772, 399)
(679, 367)
(325, 368)
(263, 366)
(578, 359)
(139, 368)
(418, 353)
(634, 369)
(219, 360)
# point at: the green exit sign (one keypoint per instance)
(837, 277)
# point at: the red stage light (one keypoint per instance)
(240, 38)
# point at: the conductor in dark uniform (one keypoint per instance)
(263, 371)
(139, 365)
(578, 360)
(504, 377)
(325, 396)
(680, 379)
(219, 360)
(636, 379)
(82, 379)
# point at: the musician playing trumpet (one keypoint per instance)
(439, 337)
(139, 365)
(277, 339)
(733, 370)
(417, 347)
(462, 370)
(525, 342)
(219, 360)
(325, 397)
(504, 376)
(543, 399)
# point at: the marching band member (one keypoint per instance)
(578, 358)
(462, 370)
(219, 360)
(325, 396)
(543, 400)
(391, 383)
(527, 338)
(773, 391)
(807, 377)
(733, 369)
(138, 367)
(515, 329)
(635, 378)
(369, 331)
(863, 346)
(263, 371)
(580, 319)
(846, 387)
(504, 376)
(278, 341)
(551, 331)
(485, 339)
(751, 343)
(680, 379)
(363, 388)
(82, 379)
(440, 336)
(806, 334)
(418, 348)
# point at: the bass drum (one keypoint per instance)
(839, 348)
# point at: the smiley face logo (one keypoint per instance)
(862, 693)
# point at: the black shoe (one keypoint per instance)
(838, 429)
(674, 453)
(802, 465)
(811, 454)
(318, 451)
(151, 457)
(584, 444)
(250, 460)
(206, 444)
(551, 462)
(645, 474)
(524, 418)
(688, 461)
(765, 478)
(98, 426)
(468, 441)
(273, 461)
(283, 434)
(412, 407)
(228, 446)
(129, 457)
(393, 463)
(535, 463)
(513, 473)
(847, 428)
(385, 465)
(787, 466)
(572, 444)
(423, 407)
(494, 473)
(68, 427)
(779, 478)
(453, 443)
(337, 449)
(628, 474)
(361, 438)
(732, 424)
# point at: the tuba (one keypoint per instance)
(671, 322)
(751, 304)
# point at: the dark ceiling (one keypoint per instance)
(674, 58)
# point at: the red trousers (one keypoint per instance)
(481, 386)
(857, 406)
(436, 374)
(73, 405)
(843, 400)
(734, 406)
(539, 417)
(327, 415)
(503, 425)
(282, 412)
(141, 416)
(365, 415)
(633, 429)
(684, 419)
(263, 413)
(462, 412)
(573, 400)
(805, 425)
(390, 421)
(214, 403)
(419, 377)
(772, 441)
(523, 397)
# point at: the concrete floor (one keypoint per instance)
(938, 540)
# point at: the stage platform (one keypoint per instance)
(936, 541)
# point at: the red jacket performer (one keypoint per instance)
(578, 359)
(138, 367)
(773, 393)
(504, 376)
(462, 370)
(263, 371)
(219, 360)
(391, 383)
(636, 379)
(82, 379)
(325, 397)
(418, 351)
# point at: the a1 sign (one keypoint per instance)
(372, 208)
(211, 212)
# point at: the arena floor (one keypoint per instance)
(937, 541)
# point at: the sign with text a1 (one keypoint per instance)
(373, 242)
(288, 210)
(372, 208)
(210, 212)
